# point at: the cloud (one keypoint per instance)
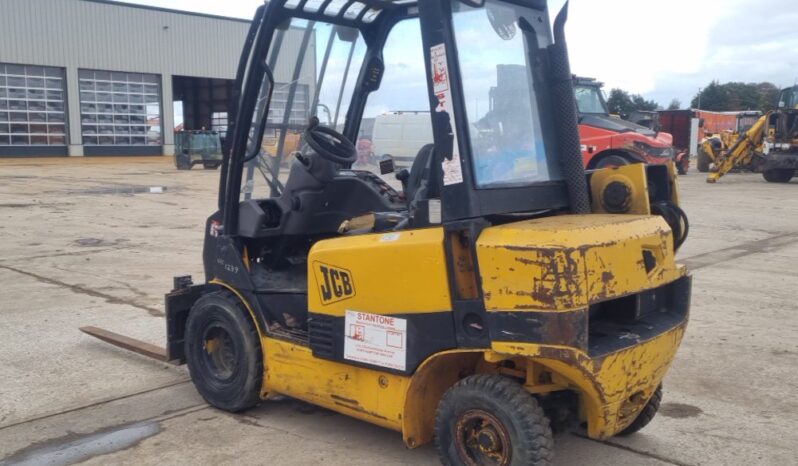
(667, 50)
(236, 8)
(661, 49)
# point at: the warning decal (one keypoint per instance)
(376, 339)
(452, 171)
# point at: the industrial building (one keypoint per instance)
(97, 77)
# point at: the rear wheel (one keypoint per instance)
(211, 165)
(223, 352)
(183, 162)
(611, 161)
(646, 415)
(703, 161)
(778, 175)
(683, 165)
(492, 420)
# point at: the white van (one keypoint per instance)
(401, 135)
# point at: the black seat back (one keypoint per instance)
(421, 172)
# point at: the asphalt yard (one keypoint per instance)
(87, 242)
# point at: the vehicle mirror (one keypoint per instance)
(347, 34)
(502, 20)
(326, 110)
(782, 104)
(387, 165)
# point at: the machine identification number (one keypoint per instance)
(230, 268)
(376, 339)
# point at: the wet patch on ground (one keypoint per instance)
(25, 205)
(73, 448)
(679, 410)
(97, 242)
(123, 190)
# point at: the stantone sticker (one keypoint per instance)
(376, 339)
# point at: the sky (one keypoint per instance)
(660, 49)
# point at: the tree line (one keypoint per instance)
(622, 103)
(715, 96)
(737, 96)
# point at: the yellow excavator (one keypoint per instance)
(715, 144)
(769, 146)
(501, 292)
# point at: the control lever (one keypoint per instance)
(403, 175)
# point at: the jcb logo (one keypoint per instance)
(335, 284)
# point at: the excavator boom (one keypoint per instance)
(741, 151)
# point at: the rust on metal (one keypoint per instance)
(131, 344)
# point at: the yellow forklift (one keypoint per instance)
(490, 293)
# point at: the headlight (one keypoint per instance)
(668, 152)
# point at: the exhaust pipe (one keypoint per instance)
(566, 117)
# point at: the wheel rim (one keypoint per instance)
(482, 440)
(219, 355)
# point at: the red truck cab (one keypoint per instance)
(610, 141)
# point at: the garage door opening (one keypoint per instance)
(202, 103)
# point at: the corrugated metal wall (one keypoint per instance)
(89, 34)
(84, 34)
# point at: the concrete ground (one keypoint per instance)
(82, 245)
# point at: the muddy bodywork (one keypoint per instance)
(571, 294)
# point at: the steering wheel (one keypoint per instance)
(330, 144)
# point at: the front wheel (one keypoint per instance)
(778, 175)
(223, 352)
(703, 161)
(491, 420)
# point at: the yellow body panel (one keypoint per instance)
(568, 262)
(614, 387)
(367, 394)
(633, 176)
(390, 273)
(553, 264)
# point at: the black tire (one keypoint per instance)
(505, 424)
(612, 161)
(646, 415)
(703, 161)
(778, 175)
(682, 166)
(182, 163)
(211, 165)
(228, 375)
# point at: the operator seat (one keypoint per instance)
(418, 187)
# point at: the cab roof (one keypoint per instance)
(347, 11)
